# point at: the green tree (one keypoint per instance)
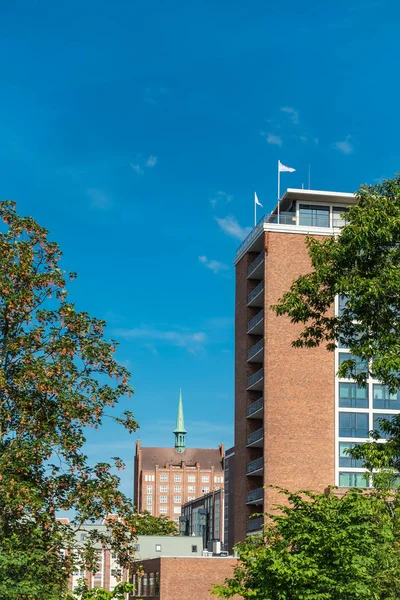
(58, 376)
(147, 524)
(118, 593)
(321, 547)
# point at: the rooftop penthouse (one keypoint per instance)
(300, 211)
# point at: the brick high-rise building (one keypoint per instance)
(293, 417)
(166, 478)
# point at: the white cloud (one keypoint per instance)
(346, 146)
(275, 140)
(316, 141)
(293, 114)
(192, 341)
(221, 196)
(151, 161)
(214, 265)
(137, 168)
(303, 138)
(98, 199)
(230, 226)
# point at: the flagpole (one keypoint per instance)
(279, 189)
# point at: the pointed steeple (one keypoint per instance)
(180, 430)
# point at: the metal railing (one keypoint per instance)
(259, 288)
(257, 494)
(255, 465)
(255, 524)
(255, 320)
(255, 349)
(255, 436)
(255, 406)
(255, 378)
(257, 261)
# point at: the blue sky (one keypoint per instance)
(137, 133)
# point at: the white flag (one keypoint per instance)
(256, 200)
(282, 168)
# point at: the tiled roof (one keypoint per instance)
(206, 457)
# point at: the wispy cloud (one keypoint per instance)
(346, 146)
(192, 341)
(292, 113)
(230, 226)
(214, 265)
(98, 199)
(316, 141)
(143, 164)
(274, 140)
(154, 95)
(303, 138)
(221, 196)
(151, 161)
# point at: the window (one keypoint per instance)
(178, 478)
(191, 478)
(190, 498)
(342, 304)
(177, 488)
(164, 477)
(149, 499)
(149, 477)
(158, 547)
(176, 520)
(353, 480)
(163, 499)
(384, 399)
(177, 510)
(191, 489)
(83, 537)
(353, 425)
(314, 215)
(163, 488)
(378, 425)
(205, 478)
(149, 509)
(360, 365)
(352, 396)
(163, 510)
(149, 489)
(344, 459)
(137, 547)
(338, 216)
(194, 548)
(218, 479)
(178, 499)
(205, 489)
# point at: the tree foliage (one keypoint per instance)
(147, 524)
(362, 264)
(58, 376)
(322, 547)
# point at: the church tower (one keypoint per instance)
(180, 430)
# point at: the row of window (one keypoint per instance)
(353, 396)
(178, 478)
(357, 424)
(314, 215)
(178, 489)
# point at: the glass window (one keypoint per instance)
(177, 499)
(163, 488)
(149, 489)
(352, 396)
(205, 478)
(177, 478)
(342, 304)
(205, 489)
(191, 489)
(164, 477)
(314, 215)
(194, 548)
(149, 508)
(163, 499)
(191, 478)
(353, 480)
(360, 365)
(344, 459)
(377, 425)
(163, 509)
(353, 424)
(338, 216)
(149, 499)
(190, 498)
(177, 488)
(384, 399)
(218, 479)
(158, 547)
(177, 510)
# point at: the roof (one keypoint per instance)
(205, 457)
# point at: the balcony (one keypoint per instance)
(255, 410)
(255, 496)
(256, 296)
(256, 269)
(256, 439)
(256, 352)
(256, 381)
(256, 325)
(255, 467)
(255, 525)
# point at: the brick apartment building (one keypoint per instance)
(293, 416)
(166, 478)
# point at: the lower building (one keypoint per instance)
(181, 578)
(229, 495)
(205, 517)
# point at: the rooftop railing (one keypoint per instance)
(257, 290)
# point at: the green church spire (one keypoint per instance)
(180, 430)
